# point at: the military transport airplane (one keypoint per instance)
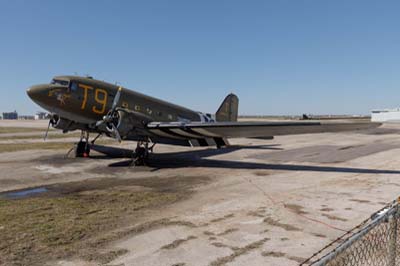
(89, 105)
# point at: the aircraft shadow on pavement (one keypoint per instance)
(113, 152)
(197, 158)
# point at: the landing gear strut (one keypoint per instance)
(82, 148)
(142, 152)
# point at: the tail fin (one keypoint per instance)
(228, 111)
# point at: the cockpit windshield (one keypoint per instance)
(59, 82)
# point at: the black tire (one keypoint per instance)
(82, 149)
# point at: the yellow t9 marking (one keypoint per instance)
(86, 88)
(102, 101)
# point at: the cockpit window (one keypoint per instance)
(73, 86)
(60, 82)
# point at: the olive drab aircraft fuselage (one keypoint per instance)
(90, 105)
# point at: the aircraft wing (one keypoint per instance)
(220, 130)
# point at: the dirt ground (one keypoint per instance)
(259, 202)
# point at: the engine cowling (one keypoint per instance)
(128, 122)
(65, 124)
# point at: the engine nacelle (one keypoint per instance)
(128, 123)
(65, 124)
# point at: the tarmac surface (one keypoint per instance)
(259, 202)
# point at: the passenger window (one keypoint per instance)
(159, 113)
(149, 111)
(137, 108)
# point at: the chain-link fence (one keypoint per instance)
(375, 242)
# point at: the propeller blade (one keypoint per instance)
(116, 100)
(47, 131)
(99, 123)
(117, 135)
(108, 118)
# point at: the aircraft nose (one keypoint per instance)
(37, 92)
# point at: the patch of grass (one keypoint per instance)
(41, 136)
(105, 257)
(281, 254)
(333, 217)
(222, 218)
(284, 226)
(295, 208)
(13, 147)
(237, 252)
(228, 231)
(4, 130)
(178, 242)
(41, 229)
(273, 254)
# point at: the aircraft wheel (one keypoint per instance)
(82, 149)
(141, 155)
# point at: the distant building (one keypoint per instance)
(10, 116)
(385, 115)
(26, 117)
(41, 115)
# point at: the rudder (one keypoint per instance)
(228, 111)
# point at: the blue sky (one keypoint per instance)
(279, 57)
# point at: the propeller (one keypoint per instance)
(47, 131)
(52, 122)
(110, 117)
(115, 130)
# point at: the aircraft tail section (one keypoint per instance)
(228, 111)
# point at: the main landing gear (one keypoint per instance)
(82, 148)
(142, 152)
(139, 157)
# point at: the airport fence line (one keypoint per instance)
(374, 242)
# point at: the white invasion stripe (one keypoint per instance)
(210, 142)
(202, 119)
(226, 141)
(164, 134)
(194, 143)
(204, 132)
(184, 133)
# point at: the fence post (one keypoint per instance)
(393, 237)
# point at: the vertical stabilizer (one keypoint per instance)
(228, 111)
